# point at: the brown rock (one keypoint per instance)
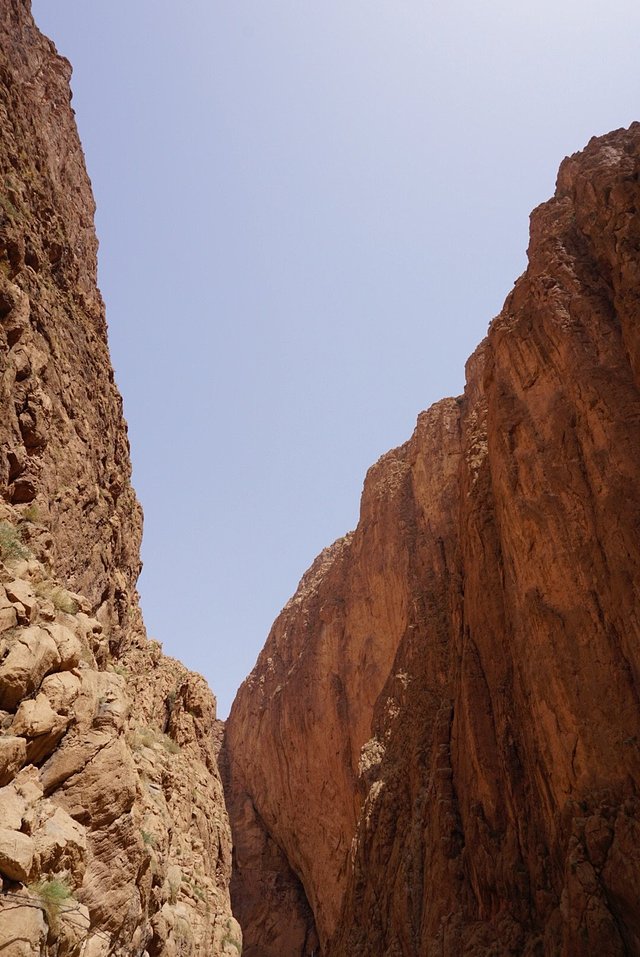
(61, 690)
(85, 796)
(113, 818)
(8, 614)
(60, 844)
(32, 653)
(96, 945)
(68, 645)
(110, 888)
(325, 664)
(13, 756)
(23, 930)
(73, 927)
(20, 593)
(66, 424)
(99, 691)
(72, 757)
(37, 721)
(13, 807)
(16, 854)
(478, 633)
(180, 783)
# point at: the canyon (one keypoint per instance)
(438, 750)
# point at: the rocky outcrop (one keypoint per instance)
(113, 822)
(63, 440)
(113, 834)
(438, 749)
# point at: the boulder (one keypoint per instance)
(60, 843)
(8, 615)
(73, 925)
(16, 854)
(68, 645)
(20, 593)
(43, 728)
(19, 797)
(13, 756)
(32, 654)
(62, 689)
(23, 929)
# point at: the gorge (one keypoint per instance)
(437, 752)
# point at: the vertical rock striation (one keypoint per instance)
(438, 751)
(113, 834)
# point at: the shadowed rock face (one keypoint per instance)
(438, 751)
(113, 833)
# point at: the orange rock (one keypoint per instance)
(478, 634)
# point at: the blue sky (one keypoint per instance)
(308, 214)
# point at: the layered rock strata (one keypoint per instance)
(438, 751)
(113, 834)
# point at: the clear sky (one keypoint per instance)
(308, 212)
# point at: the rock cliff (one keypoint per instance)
(113, 834)
(438, 750)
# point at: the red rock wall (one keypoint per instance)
(479, 635)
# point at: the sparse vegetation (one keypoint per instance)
(142, 738)
(11, 547)
(198, 892)
(63, 601)
(145, 737)
(87, 655)
(148, 839)
(229, 938)
(57, 595)
(53, 894)
(182, 931)
(31, 513)
(169, 744)
(10, 208)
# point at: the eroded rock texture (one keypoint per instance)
(438, 751)
(113, 834)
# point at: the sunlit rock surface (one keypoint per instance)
(113, 834)
(438, 749)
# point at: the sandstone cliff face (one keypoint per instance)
(113, 833)
(302, 716)
(64, 441)
(438, 749)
